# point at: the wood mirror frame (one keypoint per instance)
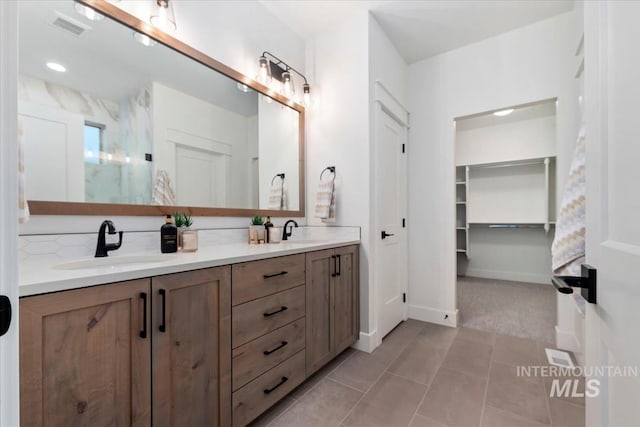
(37, 207)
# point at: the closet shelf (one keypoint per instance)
(461, 203)
(509, 224)
(461, 182)
(461, 228)
(461, 251)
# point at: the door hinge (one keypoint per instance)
(403, 148)
(404, 297)
(404, 222)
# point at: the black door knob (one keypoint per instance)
(385, 235)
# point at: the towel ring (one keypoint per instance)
(331, 169)
(281, 175)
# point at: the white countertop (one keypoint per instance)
(39, 277)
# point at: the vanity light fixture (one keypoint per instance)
(164, 17)
(56, 67)
(88, 13)
(502, 113)
(273, 68)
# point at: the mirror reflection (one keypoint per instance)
(110, 116)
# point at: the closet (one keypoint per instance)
(505, 193)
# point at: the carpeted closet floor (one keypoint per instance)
(525, 310)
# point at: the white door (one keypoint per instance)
(9, 390)
(201, 177)
(53, 153)
(390, 237)
(612, 90)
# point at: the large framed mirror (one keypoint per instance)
(119, 118)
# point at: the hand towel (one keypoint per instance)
(23, 205)
(568, 248)
(163, 193)
(326, 201)
(276, 194)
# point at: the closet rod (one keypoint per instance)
(507, 165)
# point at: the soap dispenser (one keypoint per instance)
(168, 236)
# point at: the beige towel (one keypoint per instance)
(163, 193)
(277, 195)
(23, 205)
(568, 248)
(326, 201)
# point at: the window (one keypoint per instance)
(92, 142)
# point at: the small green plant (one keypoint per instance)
(257, 220)
(181, 219)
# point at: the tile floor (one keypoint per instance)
(429, 375)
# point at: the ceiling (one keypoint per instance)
(107, 62)
(536, 110)
(420, 29)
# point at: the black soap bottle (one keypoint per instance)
(168, 237)
(267, 225)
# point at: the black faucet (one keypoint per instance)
(285, 235)
(103, 248)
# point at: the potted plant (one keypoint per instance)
(187, 238)
(256, 229)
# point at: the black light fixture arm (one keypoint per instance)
(287, 66)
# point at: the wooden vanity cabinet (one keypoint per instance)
(129, 352)
(332, 299)
(83, 359)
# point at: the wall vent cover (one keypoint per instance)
(69, 25)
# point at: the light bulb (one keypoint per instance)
(306, 95)
(164, 19)
(264, 72)
(287, 84)
(88, 13)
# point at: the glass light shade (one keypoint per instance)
(287, 85)
(306, 95)
(264, 72)
(164, 18)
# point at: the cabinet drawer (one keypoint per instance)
(256, 279)
(261, 393)
(256, 318)
(258, 356)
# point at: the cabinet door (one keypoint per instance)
(83, 357)
(192, 348)
(319, 348)
(345, 295)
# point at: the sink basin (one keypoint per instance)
(111, 262)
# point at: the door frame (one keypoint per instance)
(386, 103)
(9, 354)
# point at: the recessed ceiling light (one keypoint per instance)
(88, 13)
(503, 112)
(243, 87)
(56, 67)
(144, 39)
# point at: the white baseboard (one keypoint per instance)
(367, 342)
(509, 275)
(566, 340)
(433, 315)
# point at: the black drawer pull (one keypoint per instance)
(163, 324)
(282, 381)
(335, 266)
(268, 352)
(143, 332)
(339, 265)
(269, 276)
(283, 308)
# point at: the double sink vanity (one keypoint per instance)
(210, 338)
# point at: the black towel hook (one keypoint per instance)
(331, 169)
(281, 175)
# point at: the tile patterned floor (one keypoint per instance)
(429, 375)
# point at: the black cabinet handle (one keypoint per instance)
(339, 265)
(282, 381)
(268, 352)
(335, 266)
(143, 332)
(283, 308)
(163, 324)
(268, 276)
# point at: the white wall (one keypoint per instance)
(525, 139)
(522, 66)
(232, 32)
(278, 132)
(338, 131)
